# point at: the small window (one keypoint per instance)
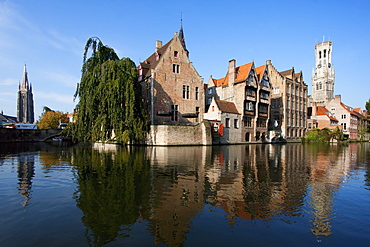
(174, 112)
(176, 54)
(196, 93)
(213, 108)
(276, 90)
(176, 68)
(227, 122)
(236, 123)
(209, 101)
(185, 91)
(210, 90)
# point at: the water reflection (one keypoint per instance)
(26, 171)
(166, 188)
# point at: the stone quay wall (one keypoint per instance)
(167, 135)
(25, 135)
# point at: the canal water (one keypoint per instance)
(240, 195)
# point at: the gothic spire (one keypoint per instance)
(181, 35)
(25, 79)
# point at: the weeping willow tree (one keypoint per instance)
(110, 105)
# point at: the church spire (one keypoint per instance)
(181, 35)
(25, 78)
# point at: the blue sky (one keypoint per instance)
(49, 36)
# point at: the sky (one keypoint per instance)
(49, 37)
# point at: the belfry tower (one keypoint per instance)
(25, 110)
(323, 74)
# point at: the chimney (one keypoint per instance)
(314, 109)
(268, 62)
(231, 71)
(158, 45)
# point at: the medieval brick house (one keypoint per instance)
(173, 90)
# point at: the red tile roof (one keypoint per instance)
(260, 70)
(218, 82)
(321, 111)
(354, 112)
(242, 72)
(225, 106)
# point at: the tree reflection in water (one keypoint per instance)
(113, 191)
(168, 187)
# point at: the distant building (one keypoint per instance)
(323, 74)
(319, 117)
(326, 110)
(25, 107)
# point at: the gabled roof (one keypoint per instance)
(152, 61)
(243, 71)
(298, 75)
(225, 106)
(322, 111)
(259, 71)
(287, 72)
(353, 112)
(218, 82)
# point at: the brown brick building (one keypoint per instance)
(172, 88)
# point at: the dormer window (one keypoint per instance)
(176, 54)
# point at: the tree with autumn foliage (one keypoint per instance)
(50, 119)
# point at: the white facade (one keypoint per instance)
(323, 73)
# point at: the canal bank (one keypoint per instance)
(26, 135)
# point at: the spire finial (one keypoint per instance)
(181, 34)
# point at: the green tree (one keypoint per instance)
(110, 103)
(367, 107)
(50, 119)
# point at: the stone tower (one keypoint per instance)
(25, 109)
(323, 74)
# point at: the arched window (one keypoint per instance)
(319, 54)
(324, 53)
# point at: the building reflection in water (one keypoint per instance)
(177, 183)
(169, 186)
(26, 171)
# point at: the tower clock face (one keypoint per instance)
(319, 66)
